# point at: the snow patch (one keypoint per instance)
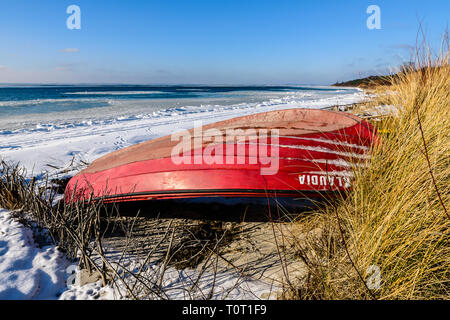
(27, 271)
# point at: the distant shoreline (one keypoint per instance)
(367, 82)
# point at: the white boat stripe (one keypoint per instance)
(329, 141)
(316, 149)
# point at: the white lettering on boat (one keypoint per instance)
(320, 180)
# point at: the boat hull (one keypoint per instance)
(295, 153)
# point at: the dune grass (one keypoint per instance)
(389, 238)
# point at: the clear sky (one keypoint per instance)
(210, 42)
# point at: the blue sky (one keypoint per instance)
(210, 42)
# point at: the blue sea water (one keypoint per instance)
(22, 106)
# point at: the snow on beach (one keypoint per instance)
(33, 273)
(30, 272)
(27, 271)
(176, 285)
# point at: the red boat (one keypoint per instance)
(295, 153)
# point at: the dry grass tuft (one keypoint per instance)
(396, 219)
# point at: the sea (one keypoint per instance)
(53, 106)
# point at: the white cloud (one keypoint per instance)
(70, 50)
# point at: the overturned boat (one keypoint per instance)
(291, 154)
